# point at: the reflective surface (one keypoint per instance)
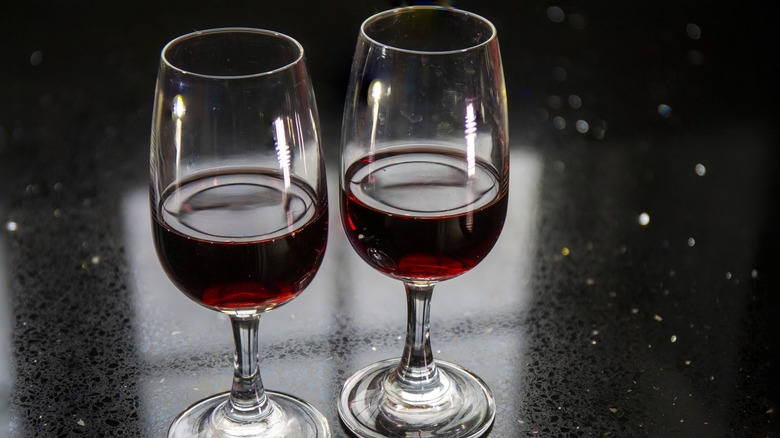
(591, 318)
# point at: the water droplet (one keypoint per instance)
(695, 57)
(565, 251)
(559, 166)
(575, 101)
(644, 219)
(693, 31)
(36, 58)
(728, 275)
(664, 110)
(11, 226)
(555, 14)
(590, 282)
(754, 273)
(577, 21)
(559, 122)
(700, 169)
(691, 241)
(658, 318)
(674, 338)
(559, 74)
(582, 126)
(554, 102)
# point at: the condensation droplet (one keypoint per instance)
(691, 241)
(644, 219)
(559, 122)
(664, 110)
(582, 126)
(754, 273)
(11, 226)
(674, 338)
(700, 169)
(728, 275)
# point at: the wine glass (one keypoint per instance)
(239, 205)
(424, 183)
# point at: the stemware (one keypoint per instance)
(239, 205)
(424, 186)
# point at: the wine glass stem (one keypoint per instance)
(247, 401)
(417, 367)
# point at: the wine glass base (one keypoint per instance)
(465, 409)
(292, 418)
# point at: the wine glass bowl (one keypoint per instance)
(239, 205)
(424, 192)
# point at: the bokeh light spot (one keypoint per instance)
(555, 14)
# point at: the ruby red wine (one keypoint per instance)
(423, 213)
(250, 240)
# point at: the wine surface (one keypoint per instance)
(422, 213)
(240, 240)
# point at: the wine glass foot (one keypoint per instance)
(465, 409)
(292, 418)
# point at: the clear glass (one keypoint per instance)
(424, 185)
(239, 205)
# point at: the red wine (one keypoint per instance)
(423, 213)
(240, 240)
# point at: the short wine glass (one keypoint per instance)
(239, 205)
(424, 189)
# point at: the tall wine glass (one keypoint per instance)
(239, 205)
(424, 182)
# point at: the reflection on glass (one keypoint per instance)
(424, 183)
(5, 336)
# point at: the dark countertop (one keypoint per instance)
(583, 321)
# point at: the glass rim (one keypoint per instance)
(235, 30)
(405, 9)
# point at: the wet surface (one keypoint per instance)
(632, 292)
